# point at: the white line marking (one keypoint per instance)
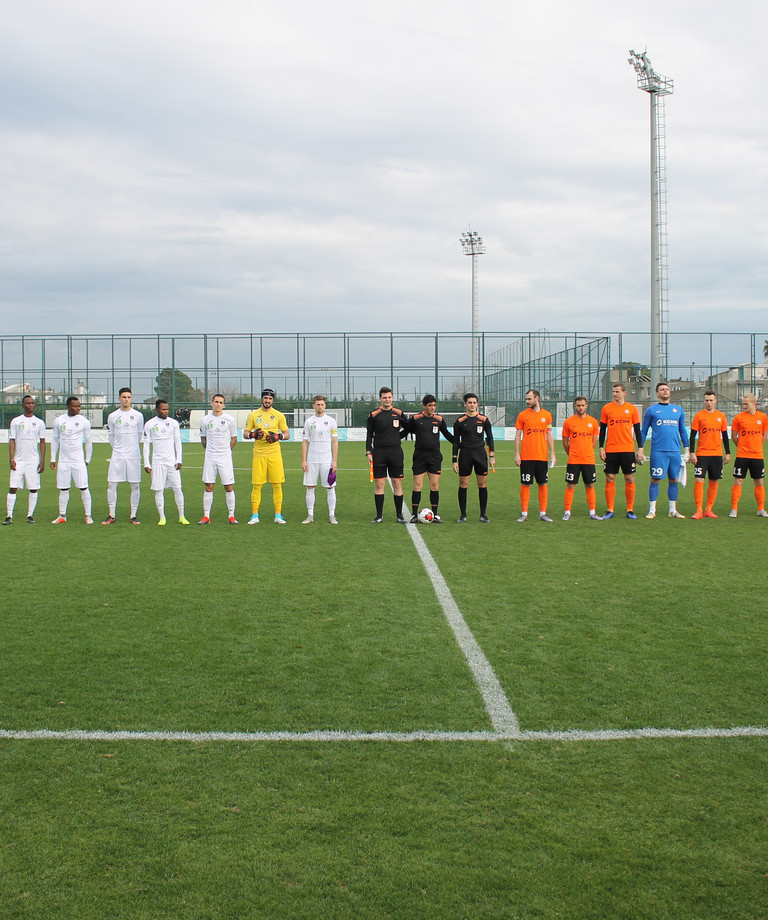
(399, 737)
(497, 705)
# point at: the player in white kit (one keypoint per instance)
(125, 427)
(163, 436)
(26, 447)
(218, 435)
(319, 458)
(72, 444)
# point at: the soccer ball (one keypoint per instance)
(426, 516)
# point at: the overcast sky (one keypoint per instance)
(190, 165)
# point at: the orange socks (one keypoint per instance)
(698, 494)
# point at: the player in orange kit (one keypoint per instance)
(580, 435)
(749, 429)
(534, 441)
(619, 429)
(711, 427)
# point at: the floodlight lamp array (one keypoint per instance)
(472, 243)
(647, 79)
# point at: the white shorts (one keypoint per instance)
(315, 470)
(221, 466)
(165, 476)
(124, 469)
(69, 473)
(25, 473)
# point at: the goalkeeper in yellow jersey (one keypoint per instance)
(267, 427)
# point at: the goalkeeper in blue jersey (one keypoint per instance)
(666, 422)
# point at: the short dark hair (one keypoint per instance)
(618, 385)
(710, 393)
(661, 383)
(28, 396)
(535, 393)
(429, 398)
(471, 396)
(71, 399)
(218, 396)
(315, 399)
(384, 390)
(124, 390)
(581, 399)
(161, 402)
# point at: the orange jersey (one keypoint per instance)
(620, 436)
(535, 427)
(750, 430)
(582, 432)
(710, 427)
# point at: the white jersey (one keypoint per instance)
(125, 428)
(320, 431)
(164, 436)
(72, 433)
(27, 433)
(218, 431)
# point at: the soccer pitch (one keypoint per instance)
(480, 721)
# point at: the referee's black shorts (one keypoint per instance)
(427, 461)
(388, 463)
(473, 461)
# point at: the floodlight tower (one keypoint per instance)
(657, 87)
(472, 245)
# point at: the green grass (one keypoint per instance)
(587, 626)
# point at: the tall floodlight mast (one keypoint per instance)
(657, 86)
(472, 245)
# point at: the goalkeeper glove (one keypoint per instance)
(271, 436)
